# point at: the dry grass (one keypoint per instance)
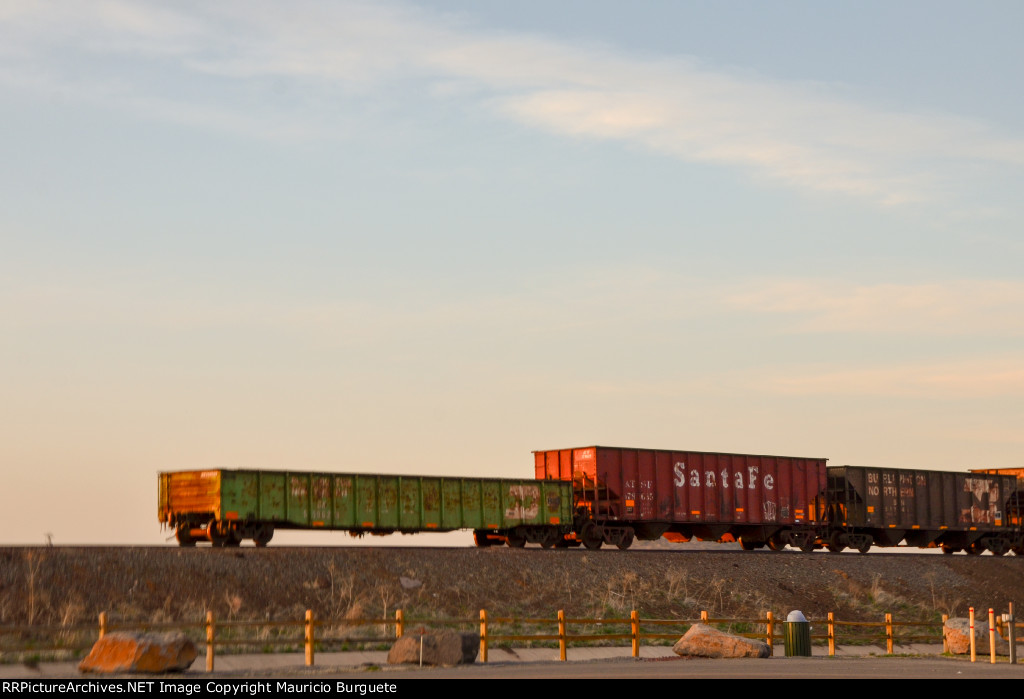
(67, 586)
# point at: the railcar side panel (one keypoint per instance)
(688, 487)
(887, 498)
(192, 500)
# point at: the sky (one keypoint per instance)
(433, 237)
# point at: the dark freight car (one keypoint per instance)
(973, 512)
(1017, 473)
(649, 493)
(226, 506)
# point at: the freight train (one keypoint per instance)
(595, 496)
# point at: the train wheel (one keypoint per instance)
(998, 546)
(591, 536)
(865, 546)
(626, 541)
(1018, 550)
(949, 549)
(480, 539)
(216, 533)
(775, 543)
(835, 543)
(183, 534)
(514, 540)
(750, 545)
(976, 549)
(551, 539)
(263, 535)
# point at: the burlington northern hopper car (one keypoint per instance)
(973, 512)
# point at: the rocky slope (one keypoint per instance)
(72, 585)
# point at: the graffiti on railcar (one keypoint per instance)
(984, 501)
(523, 502)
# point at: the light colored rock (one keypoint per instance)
(957, 632)
(707, 642)
(439, 648)
(122, 651)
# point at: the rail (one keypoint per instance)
(494, 631)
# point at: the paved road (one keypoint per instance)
(924, 662)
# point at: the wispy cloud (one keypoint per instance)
(808, 137)
(592, 300)
(970, 378)
(955, 307)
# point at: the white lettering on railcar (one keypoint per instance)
(680, 480)
(680, 470)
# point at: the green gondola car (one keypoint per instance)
(224, 507)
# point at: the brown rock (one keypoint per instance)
(122, 651)
(957, 632)
(439, 648)
(707, 642)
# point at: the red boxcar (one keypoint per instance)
(648, 493)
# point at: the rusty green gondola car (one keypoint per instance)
(225, 507)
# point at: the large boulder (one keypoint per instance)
(957, 632)
(121, 651)
(439, 648)
(707, 642)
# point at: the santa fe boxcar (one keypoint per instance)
(649, 493)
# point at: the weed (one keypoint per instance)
(32, 563)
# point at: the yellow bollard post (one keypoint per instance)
(1011, 629)
(888, 633)
(309, 637)
(945, 641)
(634, 622)
(399, 623)
(209, 641)
(770, 630)
(992, 634)
(973, 651)
(483, 635)
(703, 616)
(103, 624)
(831, 634)
(561, 634)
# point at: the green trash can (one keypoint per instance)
(798, 635)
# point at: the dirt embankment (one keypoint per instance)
(72, 585)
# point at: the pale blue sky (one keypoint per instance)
(432, 237)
